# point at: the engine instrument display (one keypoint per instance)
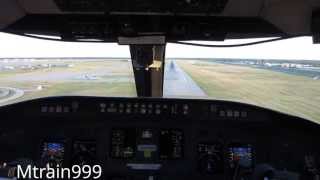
(123, 143)
(146, 144)
(171, 144)
(52, 154)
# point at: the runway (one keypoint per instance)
(9, 94)
(178, 83)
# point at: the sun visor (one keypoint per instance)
(10, 13)
(40, 7)
(143, 7)
(290, 16)
(236, 8)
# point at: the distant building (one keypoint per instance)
(9, 67)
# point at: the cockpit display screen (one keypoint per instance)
(52, 154)
(241, 154)
(171, 144)
(84, 153)
(123, 143)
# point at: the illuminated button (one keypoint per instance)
(4, 165)
(222, 114)
(128, 111)
(143, 111)
(51, 109)
(158, 111)
(103, 107)
(147, 150)
(244, 114)
(121, 108)
(147, 154)
(66, 109)
(147, 134)
(236, 113)
(44, 109)
(112, 110)
(213, 108)
(185, 107)
(74, 105)
(59, 109)
(229, 113)
(174, 109)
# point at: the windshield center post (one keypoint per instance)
(148, 62)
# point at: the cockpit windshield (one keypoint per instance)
(283, 76)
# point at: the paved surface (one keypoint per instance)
(178, 83)
(8, 94)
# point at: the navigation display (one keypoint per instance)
(241, 154)
(84, 153)
(210, 158)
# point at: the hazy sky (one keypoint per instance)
(298, 48)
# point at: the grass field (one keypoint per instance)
(292, 94)
(109, 78)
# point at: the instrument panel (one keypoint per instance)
(135, 138)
